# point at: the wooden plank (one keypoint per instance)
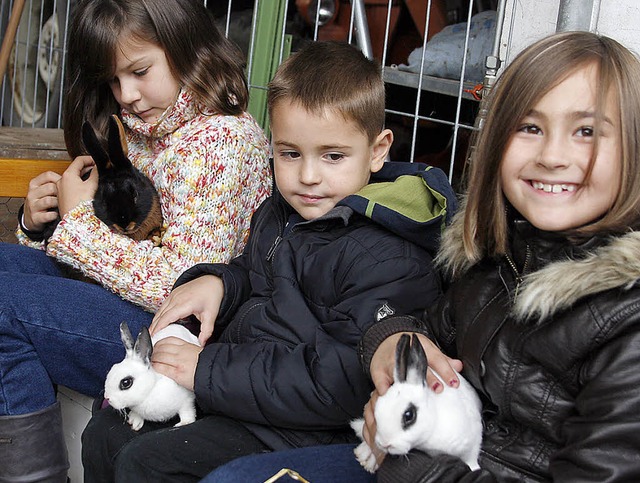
(27, 152)
(32, 143)
(15, 174)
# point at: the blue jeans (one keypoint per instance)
(55, 330)
(334, 463)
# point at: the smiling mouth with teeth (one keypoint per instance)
(553, 188)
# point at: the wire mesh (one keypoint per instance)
(432, 94)
(8, 215)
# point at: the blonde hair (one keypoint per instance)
(333, 76)
(532, 74)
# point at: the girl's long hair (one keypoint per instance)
(532, 74)
(200, 58)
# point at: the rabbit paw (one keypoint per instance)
(135, 420)
(366, 458)
(156, 235)
(184, 422)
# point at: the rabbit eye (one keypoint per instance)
(409, 416)
(126, 383)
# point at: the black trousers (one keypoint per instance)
(113, 452)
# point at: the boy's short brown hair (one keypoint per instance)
(334, 76)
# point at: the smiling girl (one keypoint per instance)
(544, 306)
(178, 86)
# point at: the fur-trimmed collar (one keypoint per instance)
(560, 284)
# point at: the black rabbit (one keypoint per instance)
(126, 200)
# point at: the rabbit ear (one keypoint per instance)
(94, 148)
(411, 361)
(143, 347)
(402, 359)
(117, 142)
(418, 364)
(127, 339)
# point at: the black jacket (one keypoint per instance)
(284, 354)
(556, 359)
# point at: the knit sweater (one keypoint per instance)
(211, 172)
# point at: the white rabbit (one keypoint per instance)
(410, 415)
(134, 384)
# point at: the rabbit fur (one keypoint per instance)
(410, 415)
(125, 200)
(148, 395)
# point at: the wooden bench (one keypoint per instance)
(27, 152)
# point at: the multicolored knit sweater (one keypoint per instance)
(211, 172)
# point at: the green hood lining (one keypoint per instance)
(408, 198)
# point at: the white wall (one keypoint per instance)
(529, 20)
(620, 19)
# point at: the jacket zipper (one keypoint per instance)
(279, 214)
(519, 275)
(272, 250)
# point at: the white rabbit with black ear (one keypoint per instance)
(410, 415)
(133, 384)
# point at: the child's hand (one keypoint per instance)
(41, 201)
(383, 363)
(200, 297)
(177, 359)
(72, 189)
(369, 429)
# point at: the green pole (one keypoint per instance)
(265, 56)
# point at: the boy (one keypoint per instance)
(329, 254)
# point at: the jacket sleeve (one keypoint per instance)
(602, 437)
(214, 181)
(377, 333)
(318, 384)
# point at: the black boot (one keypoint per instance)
(32, 447)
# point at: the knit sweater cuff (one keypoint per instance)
(379, 331)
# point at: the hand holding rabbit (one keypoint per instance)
(78, 183)
(177, 359)
(41, 202)
(123, 198)
(411, 415)
(384, 360)
(200, 297)
(133, 384)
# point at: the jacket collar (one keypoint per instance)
(413, 200)
(564, 272)
(601, 265)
